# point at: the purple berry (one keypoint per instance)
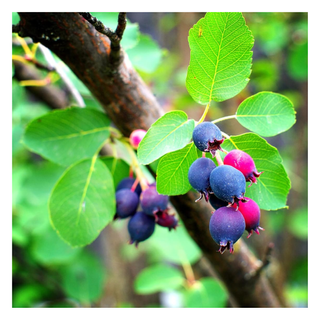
(228, 184)
(127, 183)
(152, 202)
(166, 220)
(226, 227)
(251, 213)
(127, 203)
(244, 163)
(199, 174)
(216, 202)
(207, 137)
(140, 227)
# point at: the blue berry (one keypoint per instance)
(207, 137)
(216, 202)
(228, 184)
(141, 226)
(152, 202)
(199, 174)
(226, 227)
(127, 183)
(127, 203)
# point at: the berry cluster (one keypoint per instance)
(224, 187)
(144, 208)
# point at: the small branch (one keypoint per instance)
(115, 37)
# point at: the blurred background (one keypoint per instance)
(111, 273)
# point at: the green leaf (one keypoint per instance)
(169, 133)
(206, 293)
(220, 57)
(84, 278)
(172, 171)
(119, 169)
(158, 278)
(266, 113)
(273, 185)
(82, 202)
(67, 136)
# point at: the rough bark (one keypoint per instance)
(130, 104)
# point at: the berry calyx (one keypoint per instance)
(152, 202)
(141, 226)
(228, 184)
(207, 137)
(199, 175)
(226, 226)
(251, 213)
(127, 203)
(244, 163)
(136, 136)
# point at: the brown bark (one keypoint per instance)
(130, 105)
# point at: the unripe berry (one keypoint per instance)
(244, 163)
(228, 184)
(152, 202)
(127, 203)
(127, 183)
(207, 137)
(199, 174)
(140, 227)
(251, 213)
(226, 226)
(136, 136)
(166, 220)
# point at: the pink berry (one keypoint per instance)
(136, 136)
(244, 163)
(251, 213)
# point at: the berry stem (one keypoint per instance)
(135, 185)
(205, 112)
(234, 116)
(218, 157)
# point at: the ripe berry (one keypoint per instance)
(136, 136)
(226, 227)
(207, 137)
(152, 202)
(127, 183)
(228, 184)
(166, 220)
(199, 174)
(251, 213)
(244, 163)
(216, 202)
(140, 227)
(127, 203)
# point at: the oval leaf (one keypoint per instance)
(172, 171)
(82, 202)
(158, 278)
(67, 136)
(266, 113)
(206, 293)
(169, 133)
(220, 57)
(273, 185)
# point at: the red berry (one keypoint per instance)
(136, 136)
(244, 163)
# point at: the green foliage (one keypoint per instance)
(157, 278)
(273, 185)
(67, 136)
(266, 113)
(220, 58)
(169, 133)
(82, 202)
(206, 293)
(172, 173)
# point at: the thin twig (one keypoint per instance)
(115, 37)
